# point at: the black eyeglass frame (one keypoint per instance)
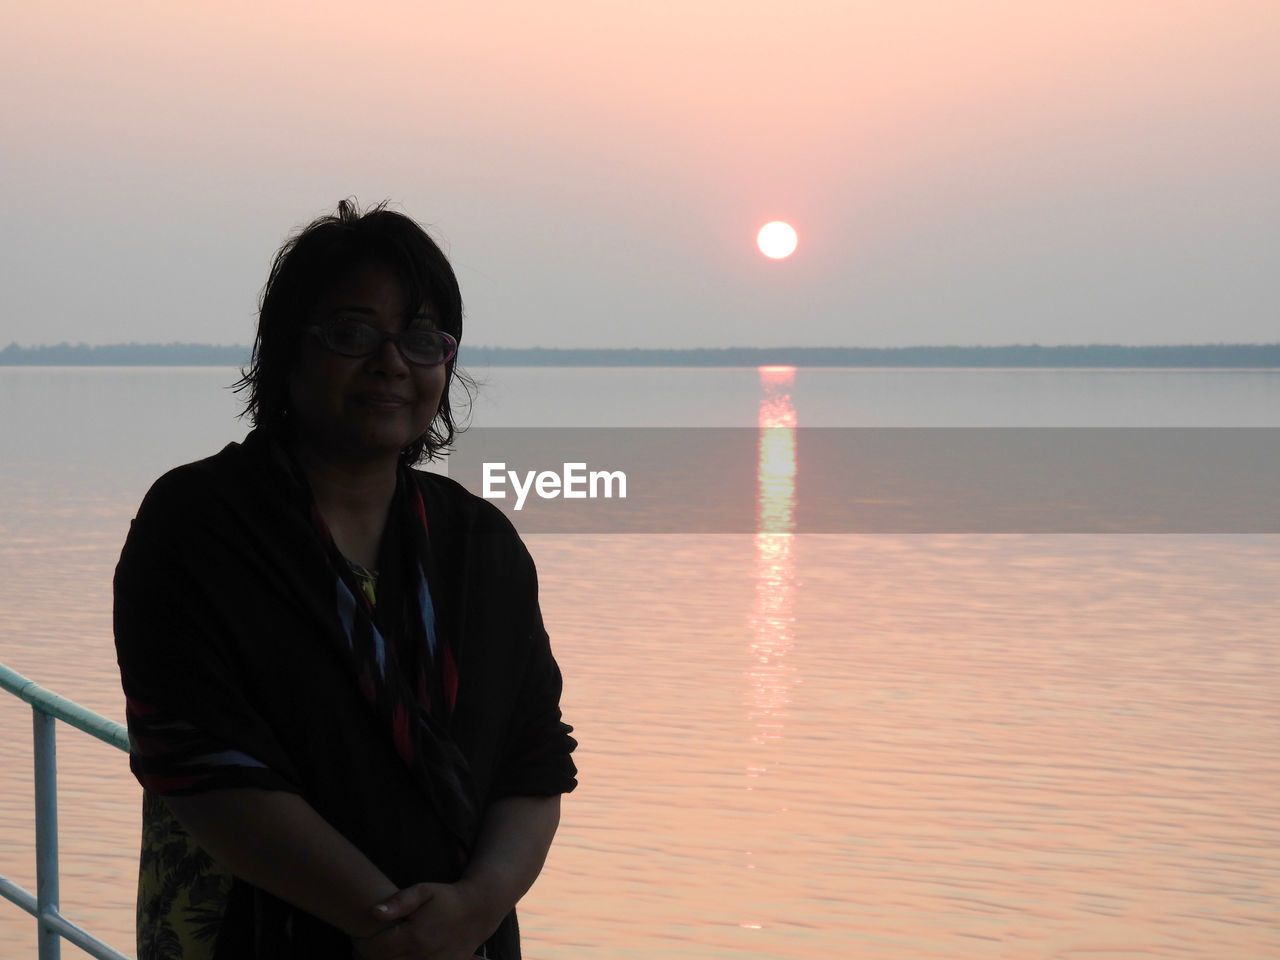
(320, 331)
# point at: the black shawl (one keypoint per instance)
(227, 631)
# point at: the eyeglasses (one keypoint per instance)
(350, 337)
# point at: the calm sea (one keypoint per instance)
(792, 746)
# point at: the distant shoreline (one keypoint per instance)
(1216, 355)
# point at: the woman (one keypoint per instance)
(342, 704)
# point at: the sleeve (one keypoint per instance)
(536, 761)
(191, 726)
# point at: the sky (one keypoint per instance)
(1008, 171)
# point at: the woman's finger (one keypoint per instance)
(399, 905)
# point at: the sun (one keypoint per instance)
(777, 240)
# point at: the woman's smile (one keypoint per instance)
(382, 401)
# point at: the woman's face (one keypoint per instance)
(364, 408)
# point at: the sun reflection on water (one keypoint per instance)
(772, 616)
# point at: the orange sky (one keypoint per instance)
(959, 172)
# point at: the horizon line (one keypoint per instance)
(14, 346)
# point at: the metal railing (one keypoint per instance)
(47, 708)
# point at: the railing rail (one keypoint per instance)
(47, 708)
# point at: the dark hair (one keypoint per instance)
(304, 267)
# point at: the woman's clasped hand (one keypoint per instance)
(430, 921)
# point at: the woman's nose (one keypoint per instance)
(388, 358)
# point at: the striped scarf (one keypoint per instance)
(409, 679)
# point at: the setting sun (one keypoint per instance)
(776, 239)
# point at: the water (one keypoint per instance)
(792, 746)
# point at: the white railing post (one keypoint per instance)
(46, 788)
(47, 709)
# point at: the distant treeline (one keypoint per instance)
(1031, 355)
(1018, 355)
